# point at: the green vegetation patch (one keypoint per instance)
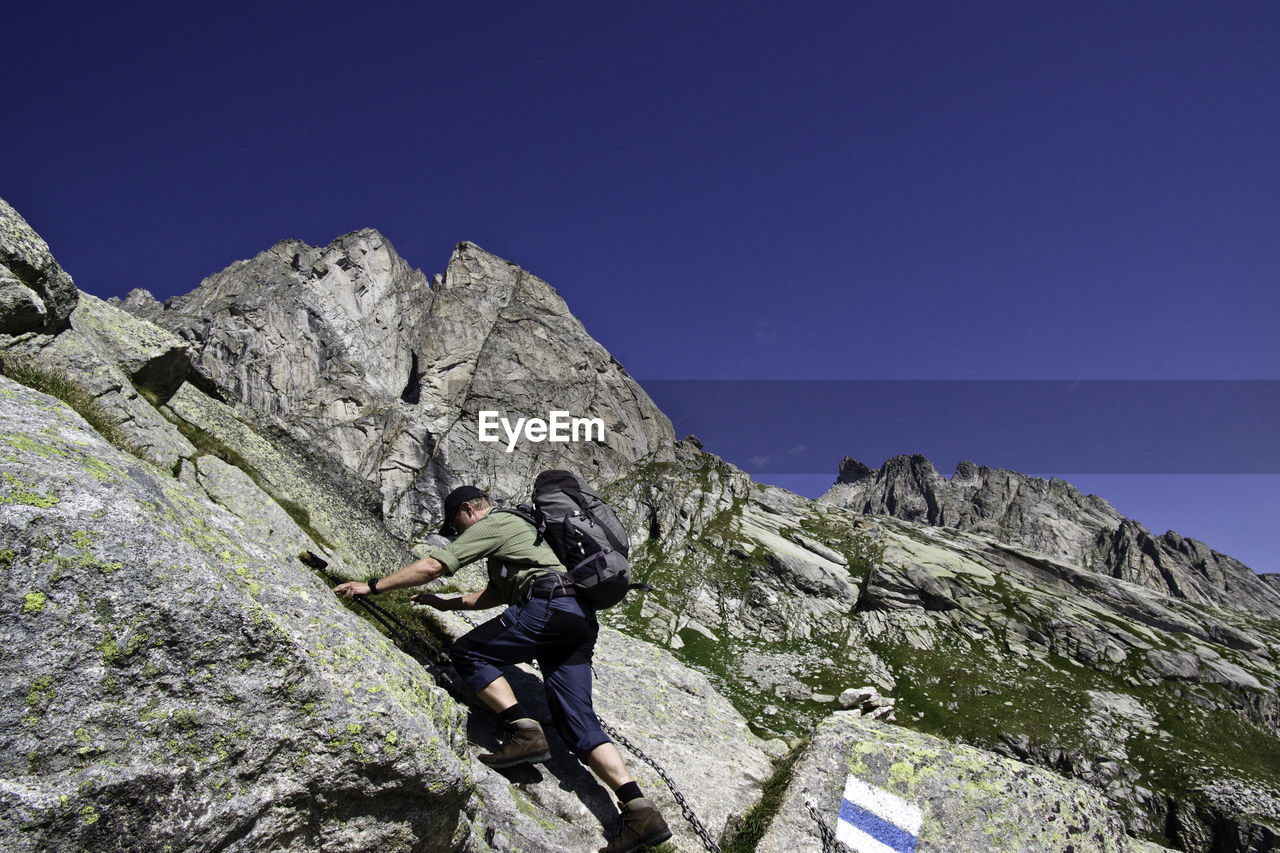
(60, 385)
(980, 698)
(41, 692)
(755, 823)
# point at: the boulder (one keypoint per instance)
(35, 294)
(156, 361)
(865, 780)
(21, 309)
(114, 359)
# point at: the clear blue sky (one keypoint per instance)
(722, 190)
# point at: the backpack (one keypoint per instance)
(585, 534)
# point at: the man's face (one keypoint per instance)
(466, 516)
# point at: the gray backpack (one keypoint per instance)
(585, 534)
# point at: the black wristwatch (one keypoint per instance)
(373, 586)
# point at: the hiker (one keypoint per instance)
(544, 621)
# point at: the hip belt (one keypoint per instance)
(551, 586)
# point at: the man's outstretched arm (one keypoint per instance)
(416, 573)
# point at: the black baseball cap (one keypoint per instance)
(453, 502)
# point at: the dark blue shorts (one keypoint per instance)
(560, 634)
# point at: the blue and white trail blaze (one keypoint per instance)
(873, 820)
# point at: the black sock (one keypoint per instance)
(515, 712)
(628, 792)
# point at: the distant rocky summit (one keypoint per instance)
(1000, 660)
(1051, 517)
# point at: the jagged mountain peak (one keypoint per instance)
(348, 346)
(1051, 517)
(921, 469)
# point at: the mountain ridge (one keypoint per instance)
(1054, 518)
(265, 437)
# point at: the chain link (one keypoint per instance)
(438, 662)
(685, 808)
(830, 844)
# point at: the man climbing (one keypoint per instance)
(544, 621)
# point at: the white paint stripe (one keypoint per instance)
(858, 841)
(884, 805)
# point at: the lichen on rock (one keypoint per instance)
(159, 684)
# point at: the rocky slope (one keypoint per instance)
(1054, 519)
(322, 400)
(176, 677)
(1168, 707)
(172, 681)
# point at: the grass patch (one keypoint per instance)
(755, 823)
(60, 385)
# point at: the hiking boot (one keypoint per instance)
(524, 744)
(642, 826)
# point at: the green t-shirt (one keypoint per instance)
(515, 562)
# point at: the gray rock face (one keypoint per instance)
(350, 349)
(947, 797)
(116, 359)
(338, 510)
(170, 683)
(1051, 517)
(35, 294)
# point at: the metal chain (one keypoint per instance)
(438, 661)
(830, 844)
(685, 808)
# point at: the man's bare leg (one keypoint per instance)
(497, 694)
(607, 763)
(525, 741)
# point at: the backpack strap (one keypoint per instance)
(531, 515)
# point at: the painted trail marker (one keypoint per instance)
(873, 820)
